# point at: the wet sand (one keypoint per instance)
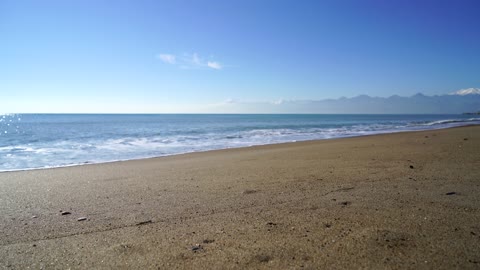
(395, 201)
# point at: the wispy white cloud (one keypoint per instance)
(189, 61)
(214, 65)
(226, 102)
(167, 58)
(278, 102)
(229, 101)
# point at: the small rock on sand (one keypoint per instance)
(82, 218)
(411, 167)
(451, 193)
(64, 213)
(196, 248)
(208, 241)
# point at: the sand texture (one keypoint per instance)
(396, 201)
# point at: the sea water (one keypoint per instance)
(30, 141)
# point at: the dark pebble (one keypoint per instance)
(345, 203)
(411, 167)
(208, 241)
(465, 139)
(64, 213)
(450, 193)
(272, 224)
(196, 248)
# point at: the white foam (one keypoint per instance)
(76, 151)
(448, 121)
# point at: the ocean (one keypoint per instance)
(32, 141)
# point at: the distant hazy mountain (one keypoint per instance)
(417, 104)
(462, 101)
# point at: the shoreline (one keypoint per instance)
(404, 200)
(220, 149)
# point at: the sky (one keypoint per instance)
(99, 56)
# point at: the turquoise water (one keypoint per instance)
(29, 141)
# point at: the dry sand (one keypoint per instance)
(332, 204)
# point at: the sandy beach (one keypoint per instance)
(396, 201)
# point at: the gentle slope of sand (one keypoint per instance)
(344, 203)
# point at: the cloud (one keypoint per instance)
(189, 61)
(167, 58)
(229, 101)
(278, 102)
(214, 65)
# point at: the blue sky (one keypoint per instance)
(190, 56)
